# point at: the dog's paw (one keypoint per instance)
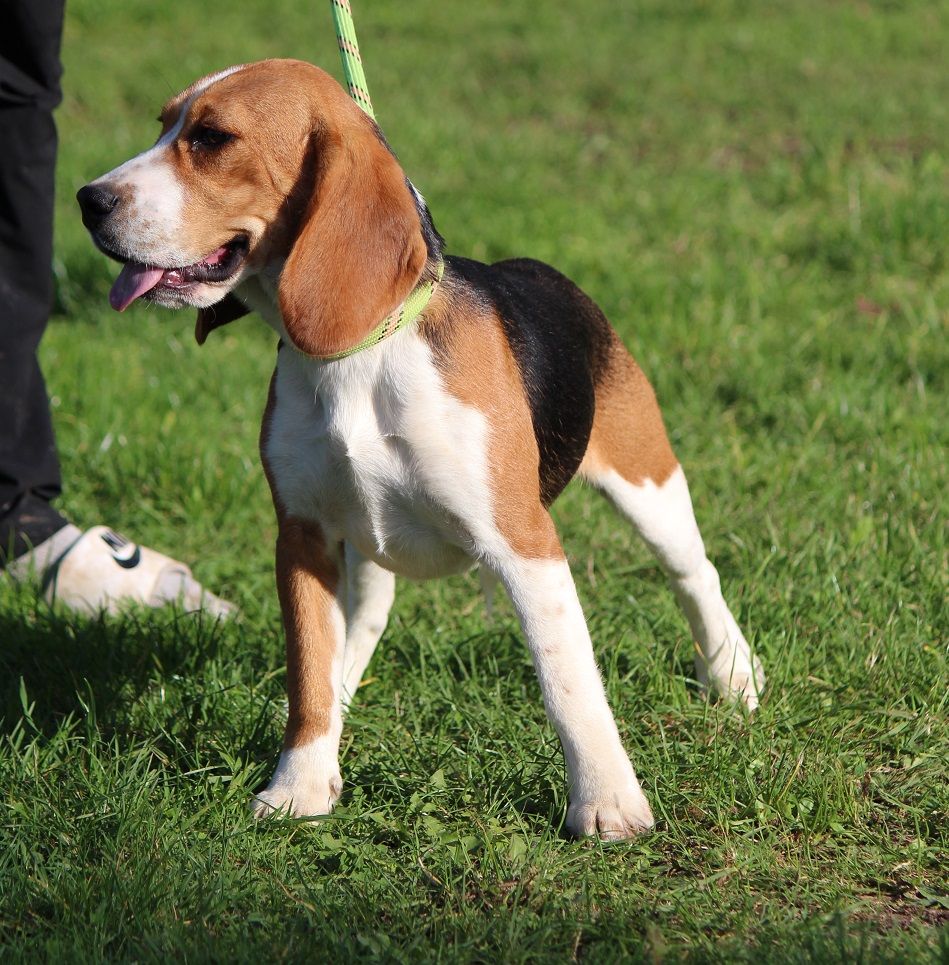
(613, 817)
(741, 679)
(309, 800)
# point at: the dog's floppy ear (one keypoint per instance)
(359, 249)
(226, 310)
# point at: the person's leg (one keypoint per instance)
(99, 569)
(29, 91)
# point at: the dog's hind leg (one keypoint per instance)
(606, 798)
(370, 591)
(629, 459)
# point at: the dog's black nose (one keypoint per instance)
(96, 203)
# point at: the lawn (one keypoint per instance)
(756, 193)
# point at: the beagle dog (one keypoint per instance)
(424, 413)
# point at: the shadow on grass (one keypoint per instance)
(51, 658)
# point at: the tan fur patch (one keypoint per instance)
(250, 185)
(628, 432)
(307, 580)
(479, 370)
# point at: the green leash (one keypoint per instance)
(419, 297)
(349, 52)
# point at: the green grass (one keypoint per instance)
(756, 194)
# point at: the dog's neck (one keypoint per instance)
(260, 293)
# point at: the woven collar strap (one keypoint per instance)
(411, 308)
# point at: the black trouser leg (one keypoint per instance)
(30, 34)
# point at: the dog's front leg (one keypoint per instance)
(605, 796)
(370, 591)
(307, 780)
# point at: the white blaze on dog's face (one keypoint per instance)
(266, 165)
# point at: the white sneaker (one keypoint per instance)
(100, 570)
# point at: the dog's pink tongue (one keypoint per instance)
(134, 280)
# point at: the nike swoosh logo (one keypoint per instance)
(117, 544)
(131, 562)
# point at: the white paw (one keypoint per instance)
(739, 678)
(308, 800)
(612, 817)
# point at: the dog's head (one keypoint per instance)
(264, 168)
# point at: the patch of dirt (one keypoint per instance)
(891, 915)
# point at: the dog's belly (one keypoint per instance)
(409, 545)
(364, 491)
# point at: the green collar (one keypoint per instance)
(411, 308)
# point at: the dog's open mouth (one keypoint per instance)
(137, 279)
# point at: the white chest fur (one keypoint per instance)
(374, 449)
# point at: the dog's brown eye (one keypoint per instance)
(209, 137)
